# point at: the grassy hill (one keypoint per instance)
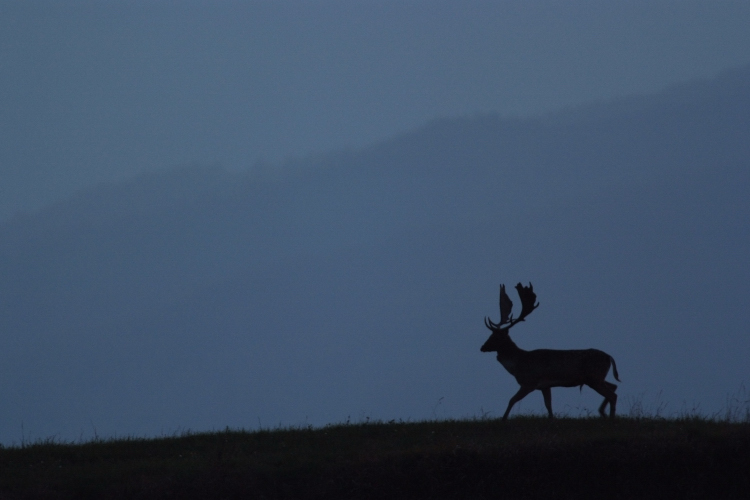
(526, 457)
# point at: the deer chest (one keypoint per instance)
(509, 363)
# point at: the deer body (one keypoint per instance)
(543, 369)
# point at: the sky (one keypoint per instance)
(96, 92)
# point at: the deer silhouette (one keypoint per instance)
(543, 369)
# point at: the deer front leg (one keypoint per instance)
(522, 393)
(547, 393)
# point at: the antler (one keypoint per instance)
(528, 299)
(506, 305)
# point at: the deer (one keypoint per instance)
(542, 369)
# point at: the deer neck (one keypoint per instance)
(510, 355)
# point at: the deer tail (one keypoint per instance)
(614, 368)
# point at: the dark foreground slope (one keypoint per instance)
(522, 458)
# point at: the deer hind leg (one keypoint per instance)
(522, 393)
(603, 407)
(606, 389)
(547, 393)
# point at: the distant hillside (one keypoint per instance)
(356, 283)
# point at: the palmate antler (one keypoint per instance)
(528, 304)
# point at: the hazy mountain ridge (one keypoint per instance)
(210, 289)
(716, 111)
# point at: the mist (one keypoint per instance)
(97, 93)
(201, 245)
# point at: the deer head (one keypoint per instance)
(500, 330)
